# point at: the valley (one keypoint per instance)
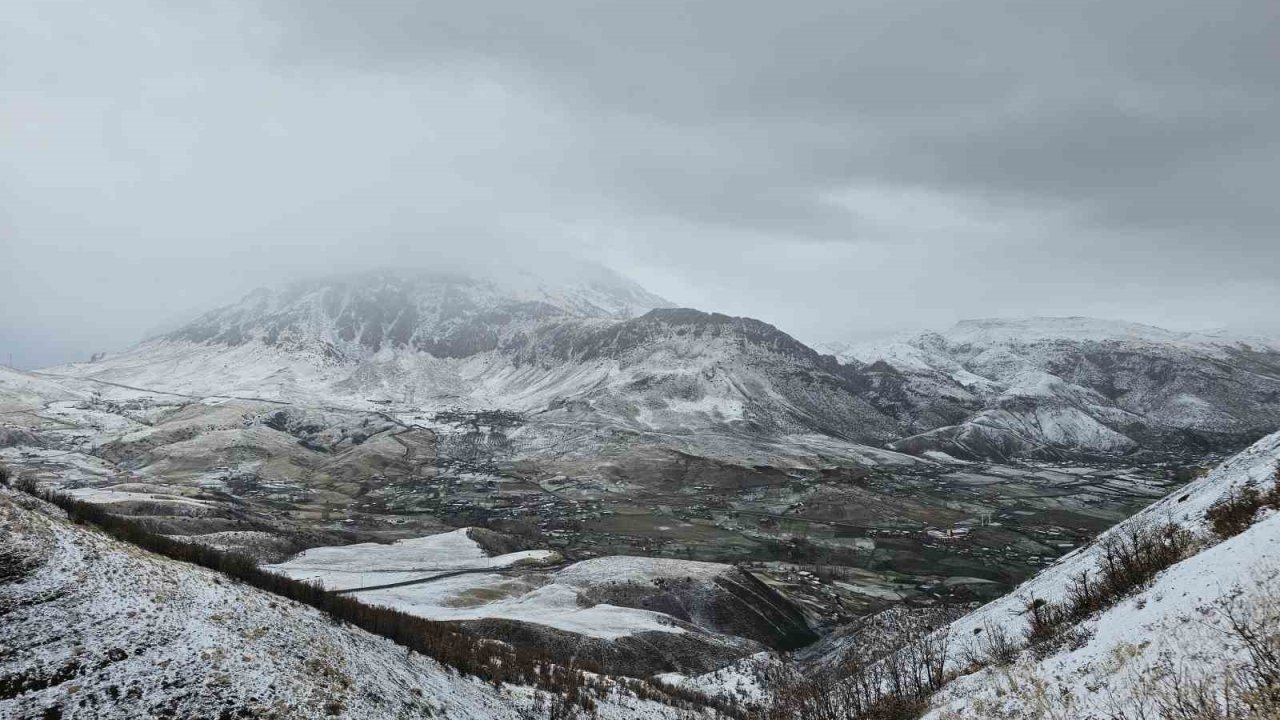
(842, 541)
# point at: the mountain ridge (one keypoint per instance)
(1047, 387)
(989, 388)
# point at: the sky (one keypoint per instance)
(839, 168)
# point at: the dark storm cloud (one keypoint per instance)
(1083, 105)
(829, 166)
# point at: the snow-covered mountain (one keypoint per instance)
(1049, 387)
(589, 349)
(445, 314)
(591, 352)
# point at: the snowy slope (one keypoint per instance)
(1176, 624)
(104, 630)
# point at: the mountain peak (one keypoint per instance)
(447, 312)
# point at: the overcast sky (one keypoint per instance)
(837, 168)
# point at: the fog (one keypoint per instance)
(840, 169)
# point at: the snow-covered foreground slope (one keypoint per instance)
(99, 629)
(1050, 387)
(1118, 660)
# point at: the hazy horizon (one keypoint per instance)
(823, 343)
(845, 171)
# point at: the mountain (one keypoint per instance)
(590, 350)
(444, 314)
(648, 488)
(593, 352)
(1071, 387)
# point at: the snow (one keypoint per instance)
(346, 567)
(107, 496)
(1007, 341)
(525, 595)
(521, 593)
(500, 597)
(743, 681)
(1080, 384)
(192, 640)
(627, 568)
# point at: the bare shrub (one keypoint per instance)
(1045, 620)
(27, 485)
(895, 687)
(1130, 559)
(1256, 627)
(1236, 513)
(992, 645)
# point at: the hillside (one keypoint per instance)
(1162, 645)
(1173, 613)
(93, 628)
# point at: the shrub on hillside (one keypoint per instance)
(1236, 513)
(992, 645)
(1045, 620)
(896, 686)
(1130, 558)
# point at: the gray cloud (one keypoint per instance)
(833, 167)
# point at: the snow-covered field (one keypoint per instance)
(490, 596)
(460, 582)
(347, 567)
